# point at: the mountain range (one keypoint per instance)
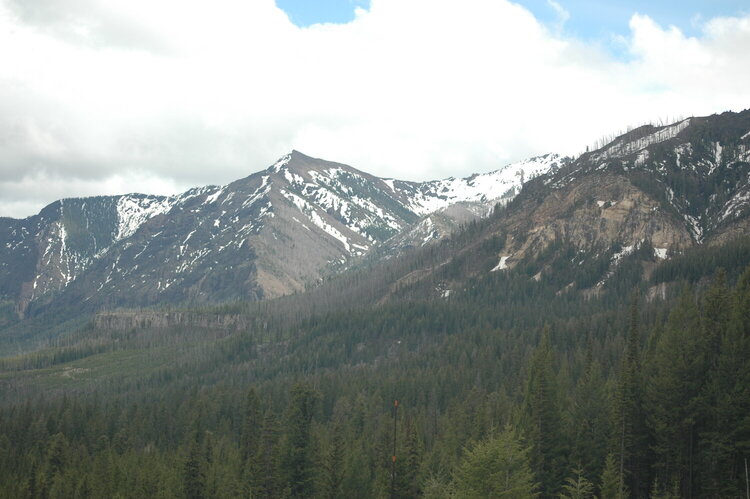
(283, 229)
(270, 234)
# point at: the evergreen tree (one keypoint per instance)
(268, 458)
(298, 459)
(409, 485)
(659, 492)
(193, 472)
(590, 424)
(333, 465)
(726, 440)
(677, 380)
(612, 484)
(497, 466)
(57, 455)
(629, 426)
(577, 486)
(251, 424)
(543, 420)
(250, 443)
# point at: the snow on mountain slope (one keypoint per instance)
(44, 253)
(269, 234)
(497, 186)
(133, 211)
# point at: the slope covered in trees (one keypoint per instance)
(507, 387)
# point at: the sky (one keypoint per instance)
(157, 96)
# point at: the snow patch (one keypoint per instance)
(695, 228)
(735, 205)
(625, 251)
(498, 186)
(502, 265)
(621, 148)
(717, 156)
(213, 197)
(315, 218)
(281, 163)
(660, 253)
(133, 212)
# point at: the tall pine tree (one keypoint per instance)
(542, 418)
(629, 427)
(298, 458)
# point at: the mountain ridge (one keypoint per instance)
(304, 216)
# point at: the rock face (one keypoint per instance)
(650, 193)
(592, 214)
(674, 186)
(269, 234)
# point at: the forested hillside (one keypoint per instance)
(506, 386)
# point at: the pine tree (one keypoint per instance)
(251, 423)
(591, 426)
(659, 492)
(727, 436)
(193, 472)
(57, 455)
(612, 483)
(679, 370)
(268, 458)
(298, 459)
(629, 426)
(333, 465)
(497, 466)
(250, 443)
(577, 486)
(543, 420)
(409, 476)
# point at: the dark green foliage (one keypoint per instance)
(298, 463)
(193, 473)
(612, 483)
(543, 419)
(495, 467)
(629, 429)
(591, 427)
(577, 487)
(661, 389)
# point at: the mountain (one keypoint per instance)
(459, 201)
(44, 253)
(656, 189)
(285, 228)
(269, 234)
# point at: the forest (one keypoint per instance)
(505, 388)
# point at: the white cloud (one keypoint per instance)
(562, 14)
(151, 95)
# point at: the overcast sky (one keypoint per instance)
(106, 96)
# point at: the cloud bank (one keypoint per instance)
(103, 96)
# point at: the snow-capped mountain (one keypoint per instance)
(286, 227)
(486, 188)
(446, 204)
(269, 234)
